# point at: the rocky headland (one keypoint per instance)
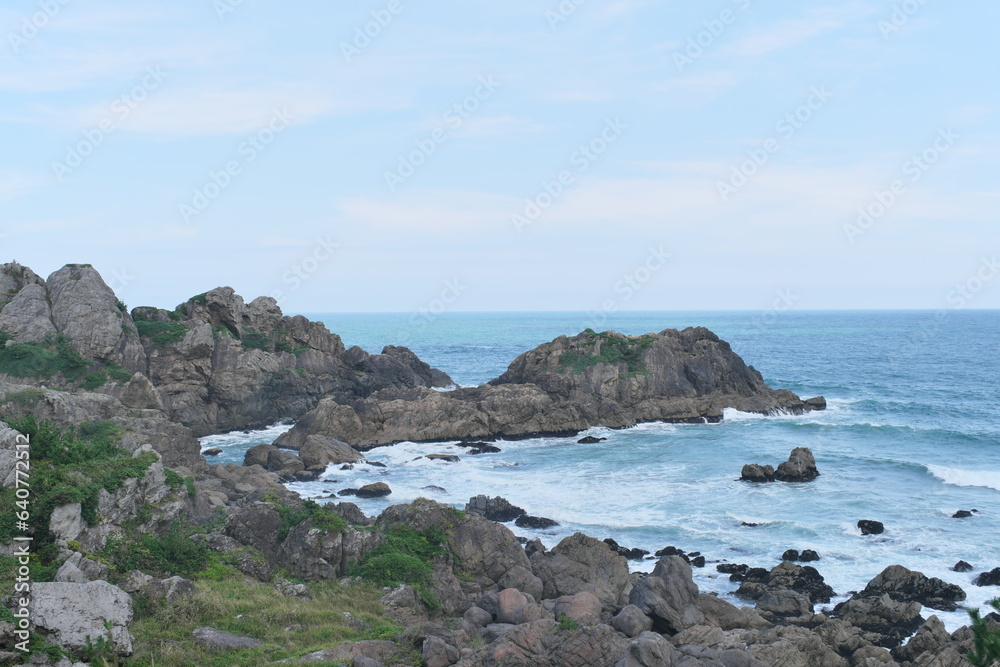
(561, 388)
(143, 553)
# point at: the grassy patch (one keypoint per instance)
(322, 518)
(568, 624)
(172, 553)
(42, 360)
(603, 348)
(257, 341)
(162, 334)
(289, 627)
(26, 398)
(69, 466)
(405, 557)
(200, 298)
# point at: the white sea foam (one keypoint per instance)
(989, 479)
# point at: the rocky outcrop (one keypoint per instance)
(70, 614)
(214, 363)
(669, 596)
(906, 585)
(991, 578)
(562, 388)
(800, 467)
(870, 527)
(581, 563)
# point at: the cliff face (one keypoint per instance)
(563, 387)
(215, 363)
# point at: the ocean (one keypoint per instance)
(911, 435)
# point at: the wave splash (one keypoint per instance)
(989, 479)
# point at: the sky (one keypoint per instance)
(399, 156)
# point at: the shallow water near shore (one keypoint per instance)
(911, 436)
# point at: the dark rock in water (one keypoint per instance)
(753, 472)
(629, 554)
(733, 568)
(590, 440)
(962, 514)
(435, 489)
(698, 561)
(534, 546)
(348, 492)
(347, 466)
(962, 566)
(803, 579)
(447, 458)
(991, 578)
(377, 464)
(800, 467)
(494, 509)
(376, 490)
(211, 451)
(485, 449)
(536, 522)
(750, 525)
(869, 527)
(670, 551)
(307, 475)
(905, 585)
(806, 556)
(815, 403)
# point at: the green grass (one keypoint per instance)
(162, 334)
(68, 466)
(200, 298)
(322, 518)
(613, 350)
(163, 630)
(568, 624)
(169, 554)
(257, 341)
(42, 360)
(26, 398)
(405, 557)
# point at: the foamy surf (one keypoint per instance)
(989, 479)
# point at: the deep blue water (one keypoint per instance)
(911, 436)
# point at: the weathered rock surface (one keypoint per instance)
(669, 596)
(219, 640)
(991, 578)
(905, 585)
(494, 509)
(581, 563)
(886, 622)
(870, 527)
(800, 467)
(563, 387)
(69, 613)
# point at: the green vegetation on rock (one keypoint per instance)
(612, 350)
(405, 557)
(986, 651)
(41, 360)
(162, 334)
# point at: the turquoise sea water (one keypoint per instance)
(911, 436)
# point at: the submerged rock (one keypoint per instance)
(590, 440)
(869, 527)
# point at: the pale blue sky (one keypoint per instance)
(418, 152)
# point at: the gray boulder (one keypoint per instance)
(649, 649)
(66, 522)
(171, 589)
(27, 318)
(320, 451)
(906, 585)
(669, 595)
(376, 490)
(800, 467)
(754, 472)
(631, 621)
(785, 605)
(436, 652)
(581, 563)
(886, 622)
(218, 640)
(140, 393)
(70, 613)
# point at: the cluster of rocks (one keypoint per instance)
(561, 388)
(307, 464)
(500, 509)
(800, 467)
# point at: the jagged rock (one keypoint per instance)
(802, 579)
(494, 509)
(292, 590)
(543, 643)
(581, 563)
(962, 566)
(171, 589)
(28, 316)
(721, 614)
(930, 638)
(628, 554)
(218, 640)
(69, 613)
(436, 652)
(753, 472)
(351, 513)
(800, 467)
(869, 527)
(886, 621)
(140, 393)
(669, 595)
(80, 569)
(319, 451)
(784, 604)
(689, 376)
(376, 490)
(256, 526)
(631, 621)
(66, 522)
(906, 585)
(649, 649)
(534, 522)
(991, 578)
(432, 377)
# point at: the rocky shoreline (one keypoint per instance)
(145, 553)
